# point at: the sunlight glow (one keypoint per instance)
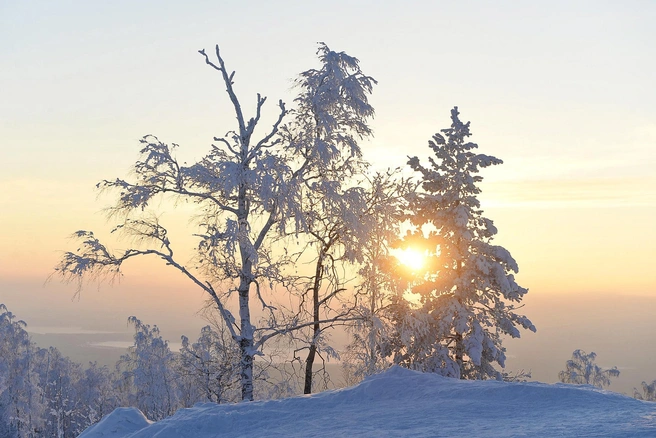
(411, 258)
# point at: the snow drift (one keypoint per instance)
(404, 403)
(122, 422)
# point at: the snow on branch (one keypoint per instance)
(227, 79)
(91, 260)
(466, 294)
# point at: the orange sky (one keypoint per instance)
(562, 91)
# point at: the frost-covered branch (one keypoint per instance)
(159, 173)
(250, 194)
(259, 296)
(227, 79)
(227, 145)
(274, 130)
(93, 260)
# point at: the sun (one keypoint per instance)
(411, 258)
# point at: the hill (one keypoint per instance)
(404, 403)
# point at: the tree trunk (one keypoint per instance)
(459, 353)
(371, 369)
(247, 254)
(246, 344)
(460, 346)
(316, 328)
(309, 362)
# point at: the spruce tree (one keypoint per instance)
(467, 296)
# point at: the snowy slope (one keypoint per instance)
(403, 403)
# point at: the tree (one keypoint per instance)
(22, 404)
(98, 396)
(465, 297)
(378, 282)
(648, 392)
(210, 366)
(149, 371)
(582, 370)
(44, 394)
(331, 117)
(248, 193)
(60, 380)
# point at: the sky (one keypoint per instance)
(562, 91)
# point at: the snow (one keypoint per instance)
(405, 403)
(122, 422)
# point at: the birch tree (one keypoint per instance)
(378, 282)
(149, 371)
(581, 369)
(22, 405)
(247, 189)
(331, 117)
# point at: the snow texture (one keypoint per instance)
(405, 403)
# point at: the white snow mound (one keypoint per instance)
(121, 422)
(404, 403)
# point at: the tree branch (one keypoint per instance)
(294, 328)
(274, 130)
(231, 93)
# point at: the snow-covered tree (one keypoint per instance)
(248, 191)
(209, 367)
(516, 376)
(42, 392)
(330, 118)
(648, 392)
(582, 370)
(378, 283)
(22, 405)
(148, 370)
(466, 298)
(60, 381)
(98, 396)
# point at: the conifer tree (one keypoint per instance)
(467, 295)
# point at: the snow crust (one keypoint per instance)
(405, 403)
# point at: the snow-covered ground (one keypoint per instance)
(404, 403)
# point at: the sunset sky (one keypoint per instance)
(562, 91)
